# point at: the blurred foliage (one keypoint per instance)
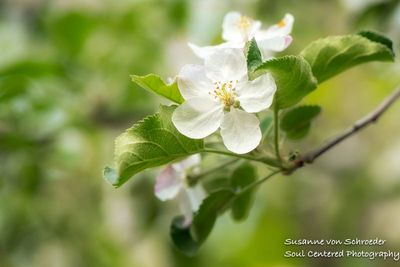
(65, 92)
(378, 13)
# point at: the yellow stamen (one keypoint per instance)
(226, 93)
(281, 24)
(244, 23)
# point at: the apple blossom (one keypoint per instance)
(171, 183)
(238, 29)
(220, 95)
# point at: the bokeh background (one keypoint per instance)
(65, 94)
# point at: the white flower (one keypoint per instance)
(171, 183)
(219, 95)
(238, 29)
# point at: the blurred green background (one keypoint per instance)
(65, 94)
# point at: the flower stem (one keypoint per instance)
(258, 182)
(264, 159)
(227, 153)
(195, 178)
(276, 134)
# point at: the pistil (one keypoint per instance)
(225, 92)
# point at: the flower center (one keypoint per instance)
(244, 23)
(281, 24)
(225, 92)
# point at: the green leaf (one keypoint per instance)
(152, 142)
(293, 77)
(378, 13)
(254, 57)
(181, 237)
(70, 31)
(155, 84)
(243, 176)
(32, 68)
(296, 123)
(189, 239)
(378, 38)
(13, 86)
(205, 218)
(334, 54)
(216, 183)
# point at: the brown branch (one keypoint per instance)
(372, 117)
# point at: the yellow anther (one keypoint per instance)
(225, 93)
(281, 24)
(244, 22)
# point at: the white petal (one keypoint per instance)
(196, 196)
(233, 31)
(187, 163)
(258, 94)
(275, 43)
(168, 184)
(190, 200)
(185, 208)
(254, 28)
(198, 117)
(276, 38)
(230, 29)
(226, 65)
(203, 52)
(193, 82)
(240, 131)
(283, 27)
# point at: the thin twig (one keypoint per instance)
(264, 159)
(276, 134)
(372, 117)
(196, 177)
(258, 182)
